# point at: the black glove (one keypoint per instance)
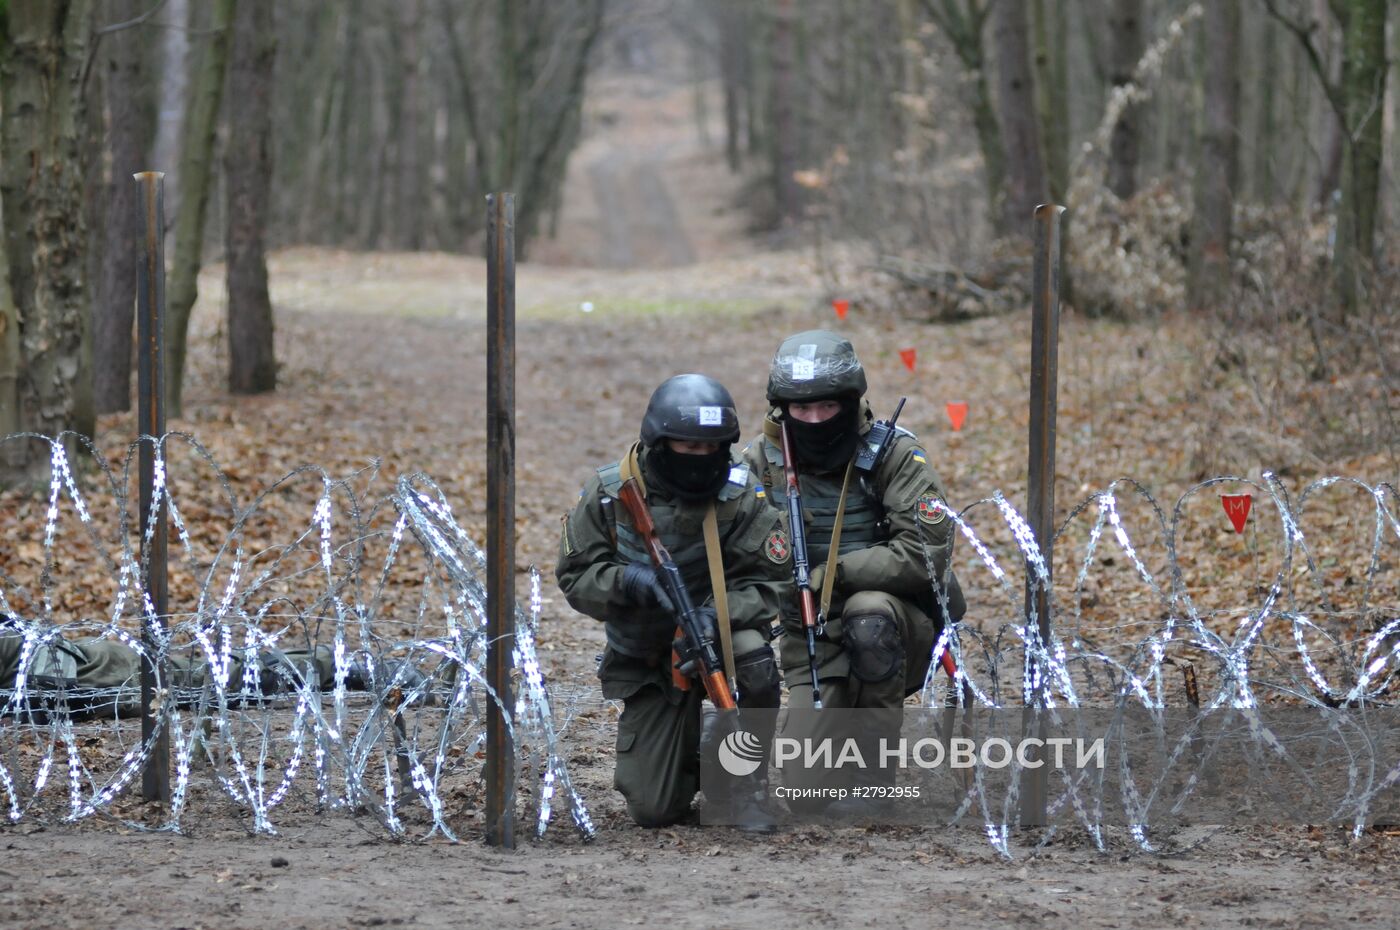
(641, 587)
(708, 622)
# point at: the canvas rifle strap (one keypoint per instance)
(630, 469)
(716, 560)
(829, 580)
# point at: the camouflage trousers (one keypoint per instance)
(659, 733)
(102, 676)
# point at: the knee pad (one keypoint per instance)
(873, 644)
(757, 678)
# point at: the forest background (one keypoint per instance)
(1227, 166)
(696, 179)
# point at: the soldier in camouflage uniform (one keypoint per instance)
(101, 677)
(683, 463)
(883, 614)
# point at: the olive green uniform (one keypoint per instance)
(102, 676)
(658, 734)
(890, 535)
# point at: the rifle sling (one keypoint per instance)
(629, 469)
(716, 560)
(829, 579)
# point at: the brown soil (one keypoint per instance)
(383, 357)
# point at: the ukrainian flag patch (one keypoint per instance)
(759, 492)
(918, 456)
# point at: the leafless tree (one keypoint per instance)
(45, 382)
(248, 176)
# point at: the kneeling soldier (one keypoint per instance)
(732, 554)
(879, 543)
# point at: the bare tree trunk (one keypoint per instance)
(94, 156)
(1358, 100)
(1052, 91)
(1363, 88)
(1125, 23)
(41, 176)
(753, 68)
(248, 170)
(1216, 179)
(550, 146)
(1026, 184)
(1329, 176)
(439, 213)
(783, 107)
(10, 367)
(732, 48)
(173, 98)
(1265, 137)
(963, 24)
(409, 209)
(128, 136)
(196, 168)
(316, 217)
(508, 145)
(344, 217)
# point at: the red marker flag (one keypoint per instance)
(957, 414)
(841, 307)
(1237, 509)
(907, 356)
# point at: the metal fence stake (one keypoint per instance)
(500, 515)
(1040, 495)
(150, 336)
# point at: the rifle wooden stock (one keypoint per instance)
(801, 571)
(689, 635)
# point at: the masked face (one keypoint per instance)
(826, 445)
(688, 475)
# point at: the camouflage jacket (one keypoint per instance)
(892, 531)
(597, 541)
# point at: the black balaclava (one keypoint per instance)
(689, 477)
(829, 445)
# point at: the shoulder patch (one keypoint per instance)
(918, 455)
(776, 547)
(739, 474)
(932, 510)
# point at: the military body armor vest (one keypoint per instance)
(863, 525)
(681, 530)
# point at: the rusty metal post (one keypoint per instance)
(150, 337)
(1040, 495)
(500, 514)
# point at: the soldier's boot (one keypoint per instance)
(747, 805)
(743, 799)
(400, 674)
(279, 672)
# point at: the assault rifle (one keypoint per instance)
(812, 620)
(693, 642)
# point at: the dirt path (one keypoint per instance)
(644, 191)
(330, 874)
(641, 226)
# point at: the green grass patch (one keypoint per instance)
(638, 307)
